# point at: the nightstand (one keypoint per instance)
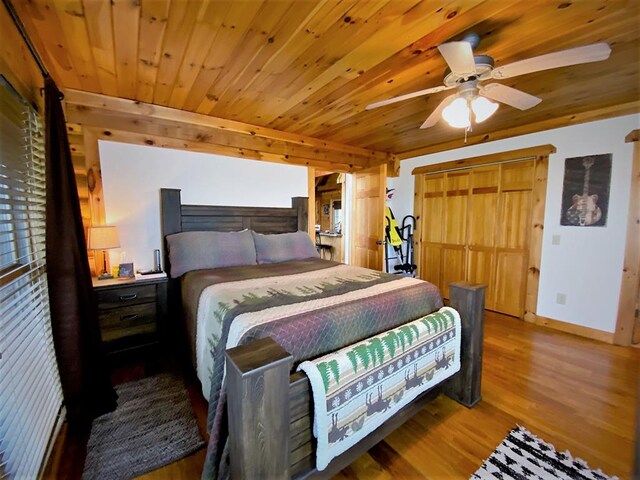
(131, 313)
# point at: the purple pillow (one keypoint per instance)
(201, 250)
(284, 246)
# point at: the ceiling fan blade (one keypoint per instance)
(459, 57)
(573, 56)
(509, 96)
(436, 115)
(419, 93)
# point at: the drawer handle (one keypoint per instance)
(126, 298)
(130, 316)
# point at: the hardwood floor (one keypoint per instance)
(579, 394)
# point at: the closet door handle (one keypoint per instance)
(126, 298)
(128, 317)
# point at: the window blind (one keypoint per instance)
(30, 391)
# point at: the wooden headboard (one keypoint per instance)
(176, 218)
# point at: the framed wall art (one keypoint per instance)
(585, 191)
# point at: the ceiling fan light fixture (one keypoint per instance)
(457, 113)
(467, 73)
(483, 108)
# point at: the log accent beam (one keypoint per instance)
(539, 203)
(202, 147)
(633, 136)
(627, 330)
(138, 122)
(97, 214)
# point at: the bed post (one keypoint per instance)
(468, 299)
(170, 217)
(258, 409)
(170, 222)
(302, 205)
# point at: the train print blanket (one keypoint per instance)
(360, 386)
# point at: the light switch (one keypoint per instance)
(561, 298)
(555, 240)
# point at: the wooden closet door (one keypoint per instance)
(513, 233)
(431, 228)
(482, 221)
(475, 225)
(453, 263)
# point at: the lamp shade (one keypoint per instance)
(103, 237)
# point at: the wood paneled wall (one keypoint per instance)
(86, 165)
(326, 193)
(76, 142)
(20, 69)
(16, 63)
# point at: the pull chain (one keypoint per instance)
(466, 132)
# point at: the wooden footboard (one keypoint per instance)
(271, 411)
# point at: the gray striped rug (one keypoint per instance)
(523, 456)
(152, 427)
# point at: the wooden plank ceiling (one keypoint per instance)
(310, 67)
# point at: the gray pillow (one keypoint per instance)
(201, 250)
(281, 247)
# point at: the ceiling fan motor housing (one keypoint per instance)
(484, 64)
(468, 89)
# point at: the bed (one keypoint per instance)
(256, 397)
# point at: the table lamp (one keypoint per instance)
(103, 237)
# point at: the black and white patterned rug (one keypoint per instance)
(523, 456)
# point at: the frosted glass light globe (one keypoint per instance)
(483, 108)
(457, 113)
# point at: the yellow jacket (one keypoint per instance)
(394, 235)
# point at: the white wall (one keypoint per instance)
(132, 176)
(587, 265)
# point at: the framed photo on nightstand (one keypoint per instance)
(126, 271)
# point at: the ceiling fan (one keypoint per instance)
(468, 72)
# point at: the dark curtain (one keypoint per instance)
(84, 374)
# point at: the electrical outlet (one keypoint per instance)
(555, 240)
(561, 298)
